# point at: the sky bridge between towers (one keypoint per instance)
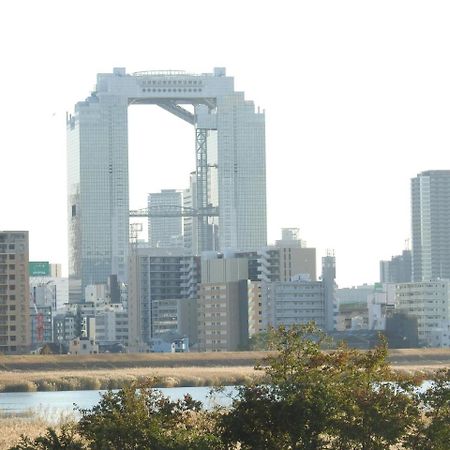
(227, 193)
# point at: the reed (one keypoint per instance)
(31, 423)
(63, 380)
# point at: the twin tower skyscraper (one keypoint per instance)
(228, 204)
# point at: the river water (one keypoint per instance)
(53, 405)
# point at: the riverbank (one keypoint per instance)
(14, 426)
(28, 373)
(64, 380)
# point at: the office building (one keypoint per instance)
(165, 231)
(430, 205)
(15, 333)
(230, 166)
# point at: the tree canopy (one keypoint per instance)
(308, 398)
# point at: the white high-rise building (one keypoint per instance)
(230, 174)
(429, 301)
(165, 231)
(430, 207)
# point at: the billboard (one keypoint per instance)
(39, 268)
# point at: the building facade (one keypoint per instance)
(429, 302)
(230, 141)
(15, 333)
(165, 231)
(398, 269)
(300, 300)
(430, 206)
(281, 263)
(160, 279)
(223, 322)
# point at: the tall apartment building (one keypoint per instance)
(15, 333)
(223, 305)
(293, 302)
(430, 205)
(230, 134)
(165, 232)
(429, 302)
(299, 300)
(161, 282)
(397, 270)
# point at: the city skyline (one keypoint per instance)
(355, 96)
(230, 182)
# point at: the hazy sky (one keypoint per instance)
(356, 93)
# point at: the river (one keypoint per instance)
(53, 405)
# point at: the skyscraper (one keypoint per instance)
(430, 206)
(230, 166)
(165, 231)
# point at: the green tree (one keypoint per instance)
(377, 408)
(316, 399)
(433, 433)
(52, 440)
(140, 417)
(309, 398)
(259, 341)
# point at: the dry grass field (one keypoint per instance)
(30, 424)
(69, 372)
(12, 427)
(94, 379)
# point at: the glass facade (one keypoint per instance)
(430, 207)
(97, 193)
(97, 143)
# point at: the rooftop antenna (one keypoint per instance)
(407, 241)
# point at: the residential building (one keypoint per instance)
(429, 302)
(300, 300)
(284, 262)
(255, 308)
(363, 307)
(293, 302)
(64, 328)
(15, 333)
(430, 207)
(223, 304)
(398, 269)
(161, 280)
